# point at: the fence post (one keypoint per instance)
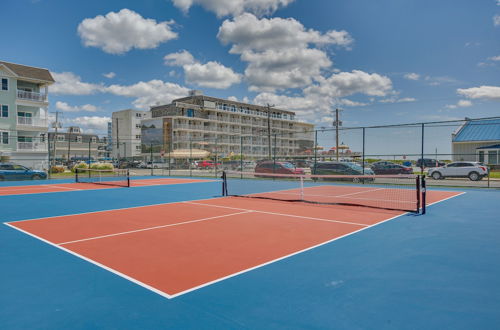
(190, 157)
(315, 150)
(90, 141)
(363, 154)
(169, 160)
(274, 154)
(422, 153)
(216, 156)
(241, 156)
(151, 157)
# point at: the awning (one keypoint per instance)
(188, 153)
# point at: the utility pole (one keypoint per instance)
(337, 123)
(56, 126)
(269, 128)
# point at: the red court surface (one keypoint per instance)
(50, 188)
(176, 248)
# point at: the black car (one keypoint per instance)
(340, 169)
(390, 168)
(429, 162)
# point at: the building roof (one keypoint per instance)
(29, 72)
(479, 130)
(495, 146)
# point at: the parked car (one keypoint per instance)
(156, 164)
(390, 168)
(205, 164)
(277, 168)
(428, 162)
(9, 171)
(341, 168)
(473, 170)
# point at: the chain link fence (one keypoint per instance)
(192, 152)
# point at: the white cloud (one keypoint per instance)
(349, 83)
(247, 32)
(234, 7)
(180, 58)
(89, 123)
(150, 93)
(494, 58)
(496, 20)
(412, 76)
(109, 75)
(398, 100)
(117, 33)
(70, 84)
(440, 80)
(211, 74)
(68, 108)
(350, 103)
(460, 104)
(483, 92)
(282, 69)
(281, 53)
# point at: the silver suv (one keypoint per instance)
(472, 170)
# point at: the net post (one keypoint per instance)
(128, 177)
(424, 194)
(76, 175)
(224, 183)
(301, 188)
(418, 192)
(151, 157)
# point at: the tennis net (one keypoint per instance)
(115, 177)
(390, 192)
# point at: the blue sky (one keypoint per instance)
(382, 62)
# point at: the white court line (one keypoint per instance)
(170, 296)
(131, 279)
(281, 214)
(39, 186)
(155, 227)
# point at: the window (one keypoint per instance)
(492, 157)
(78, 139)
(138, 137)
(137, 125)
(5, 111)
(137, 147)
(60, 138)
(5, 84)
(5, 137)
(138, 115)
(94, 139)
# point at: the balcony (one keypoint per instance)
(32, 122)
(32, 146)
(31, 96)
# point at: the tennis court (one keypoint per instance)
(173, 252)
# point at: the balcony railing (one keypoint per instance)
(31, 96)
(32, 121)
(31, 146)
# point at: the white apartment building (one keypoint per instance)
(23, 114)
(210, 124)
(126, 132)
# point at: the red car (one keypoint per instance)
(206, 164)
(277, 168)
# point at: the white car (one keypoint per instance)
(472, 170)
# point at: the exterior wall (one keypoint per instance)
(75, 145)
(467, 150)
(228, 127)
(27, 123)
(126, 132)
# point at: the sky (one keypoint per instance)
(381, 62)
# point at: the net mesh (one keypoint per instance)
(116, 177)
(390, 192)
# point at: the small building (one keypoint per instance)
(74, 145)
(126, 132)
(477, 140)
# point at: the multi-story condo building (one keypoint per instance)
(126, 132)
(23, 114)
(226, 127)
(74, 145)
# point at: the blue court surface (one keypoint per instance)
(435, 271)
